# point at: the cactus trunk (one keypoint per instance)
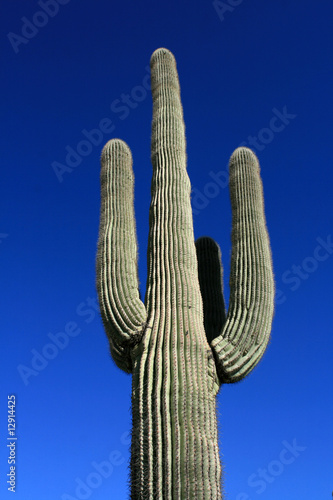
(174, 437)
(174, 450)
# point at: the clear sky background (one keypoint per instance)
(75, 74)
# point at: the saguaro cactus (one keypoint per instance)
(179, 344)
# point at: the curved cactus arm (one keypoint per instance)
(123, 313)
(210, 273)
(246, 332)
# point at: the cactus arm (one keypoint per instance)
(122, 311)
(210, 274)
(245, 334)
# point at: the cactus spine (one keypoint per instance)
(180, 345)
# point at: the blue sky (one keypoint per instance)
(75, 74)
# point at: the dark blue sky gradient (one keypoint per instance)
(64, 94)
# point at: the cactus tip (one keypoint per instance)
(114, 144)
(162, 53)
(243, 150)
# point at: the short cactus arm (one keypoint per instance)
(210, 274)
(123, 313)
(244, 336)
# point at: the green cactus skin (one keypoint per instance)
(180, 345)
